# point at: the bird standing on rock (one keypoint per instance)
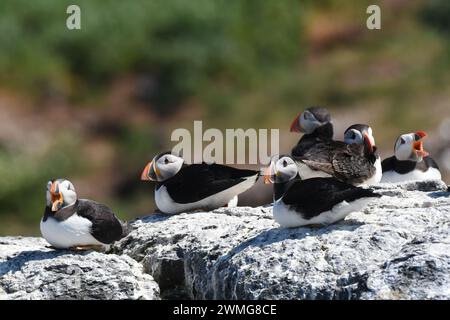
(181, 187)
(70, 223)
(316, 201)
(410, 161)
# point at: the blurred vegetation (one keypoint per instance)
(181, 44)
(103, 100)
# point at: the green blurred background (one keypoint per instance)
(95, 105)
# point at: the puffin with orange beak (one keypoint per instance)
(77, 224)
(181, 187)
(315, 124)
(410, 161)
(354, 161)
(315, 201)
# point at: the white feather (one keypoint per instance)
(167, 205)
(72, 232)
(289, 218)
(393, 177)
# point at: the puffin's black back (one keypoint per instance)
(199, 181)
(106, 227)
(314, 196)
(347, 162)
(321, 134)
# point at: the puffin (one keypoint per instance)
(78, 224)
(281, 172)
(315, 201)
(410, 161)
(182, 187)
(356, 134)
(315, 124)
(356, 162)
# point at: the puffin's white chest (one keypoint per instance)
(72, 232)
(393, 177)
(289, 218)
(376, 178)
(227, 197)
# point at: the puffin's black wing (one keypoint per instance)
(321, 134)
(106, 227)
(314, 196)
(320, 156)
(430, 163)
(199, 181)
(388, 164)
(352, 165)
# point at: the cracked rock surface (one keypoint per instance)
(398, 248)
(30, 270)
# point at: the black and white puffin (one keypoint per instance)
(410, 161)
(316, 201)
(281, 172)
(356, 162)
(72, 223)
(315, 124)
(357, 134)
(181, 187)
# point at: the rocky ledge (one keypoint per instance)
(398, 248)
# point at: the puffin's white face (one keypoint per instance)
(60, 194)
(353, 135)
(281, 170)
(306, 122)
(162, 167)
(410, 147)
(360, 134)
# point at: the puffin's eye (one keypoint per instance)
(166, 161)
(402, 141)
(353, 135)
(285, 163)
(308, 116)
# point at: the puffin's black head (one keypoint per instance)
(162, 167)
(409, 147)
(360, 134)
(60, 194)
(310, 119)
(282, 169)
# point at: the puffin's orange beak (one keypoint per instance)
(418, 148)
(151, 172)
(268, 172)
(421, 134)
(295, 126)
(418, 145)
(145, 176)
(368, 142)
(56, 197)
(267, 176)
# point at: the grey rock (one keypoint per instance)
(398, 248)
(30, 270)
